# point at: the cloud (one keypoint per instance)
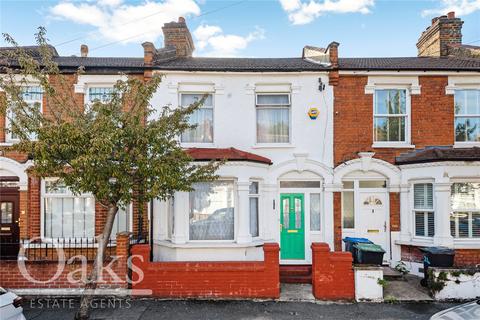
(117, 21)
(211, 41)
(300, 12)
(461, 7)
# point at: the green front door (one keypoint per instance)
(292, 226)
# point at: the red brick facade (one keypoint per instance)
(394, 211)
(256, 279)
(332, 274)
(337, 221)
(463, 257)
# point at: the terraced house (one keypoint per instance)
(319, 147)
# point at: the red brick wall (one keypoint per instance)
(11, 276)
(33, 206)
(332, 274)
(394, 211)
(256, 279)
(337, 221)
(463, 257)
(23, 221)
(432, 116)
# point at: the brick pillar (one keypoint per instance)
(320, 268)
(23, 221)
(123, 252)
(33, 206)
(337, 221)
(272, 267)
(394, 211)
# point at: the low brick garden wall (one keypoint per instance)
(235, 279)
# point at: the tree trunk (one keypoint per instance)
(83, 312)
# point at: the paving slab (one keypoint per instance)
(296, 292)
(407, 290)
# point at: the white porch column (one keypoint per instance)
(243, 235)
(405, 214)
(443, 236)
(181, 211)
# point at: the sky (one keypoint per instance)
(256, 28)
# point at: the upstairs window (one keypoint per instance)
(33, 97)
(423, 210)
(465, 217)
(467, 115)
(101, 94)
(273, 118)
(202, 118)
(390, 115)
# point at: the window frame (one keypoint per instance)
(254, 196)
(470, 212)
(425, 212)
(407, 115)
(212, 107)
(465, 143)
(274, 106)
(235, 215)
(69, 194)
(8, 134)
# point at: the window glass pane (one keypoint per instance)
(476, 225)
(273, 99)
(253, 188)
(299, 184)
(315, 211)
(273, 125)
(286, 213)
(423, 196)
(53, 217)
(89, 217)
(460, 129)
(460, 103)
(348, 185)
(420, 224)
(472, 101)
(373, 184)
(67, 222)
(348, 209)
(6, 211)
(170, 217)
(101, 94)
(32, 93)
(465, 196)
(55, 187)
(473, 129)
(298, 213)
(189, 98)
(390, 102)
(389, 128)
(203, 132)
(254, 216)
(212, 211)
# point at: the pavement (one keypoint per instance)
(406, 289)
(219, 309)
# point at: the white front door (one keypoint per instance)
(372, 218)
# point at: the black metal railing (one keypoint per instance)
(55, 249)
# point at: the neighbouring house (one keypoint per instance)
(407, 149)
(318, 148)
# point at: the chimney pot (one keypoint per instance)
(451, 15)
(181, 19)
(84, 50)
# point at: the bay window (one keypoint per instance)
(390, 118)
(33, 97)
(202, 118)
(467, 115)
(101, 94)
(465, 217)
(273, 118)
(253, 200)
(212, 211)
(66, 215)
(423, 209)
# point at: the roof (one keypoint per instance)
(410, 63)
(240, 64)
(436, 154)
(230, 154)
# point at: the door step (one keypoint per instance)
(391, 274)
(296, 274)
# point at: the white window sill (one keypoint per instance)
(209, 244)
(418, 242)
(393, 145)
(7, 143)
(471, 243)
(272, 145)
(466, 144)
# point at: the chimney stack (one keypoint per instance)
(333, 75)
(84, 51)
(176, 34)
(443, 33)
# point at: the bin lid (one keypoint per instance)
(356, 240)
(438, 250)
(369, 247)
